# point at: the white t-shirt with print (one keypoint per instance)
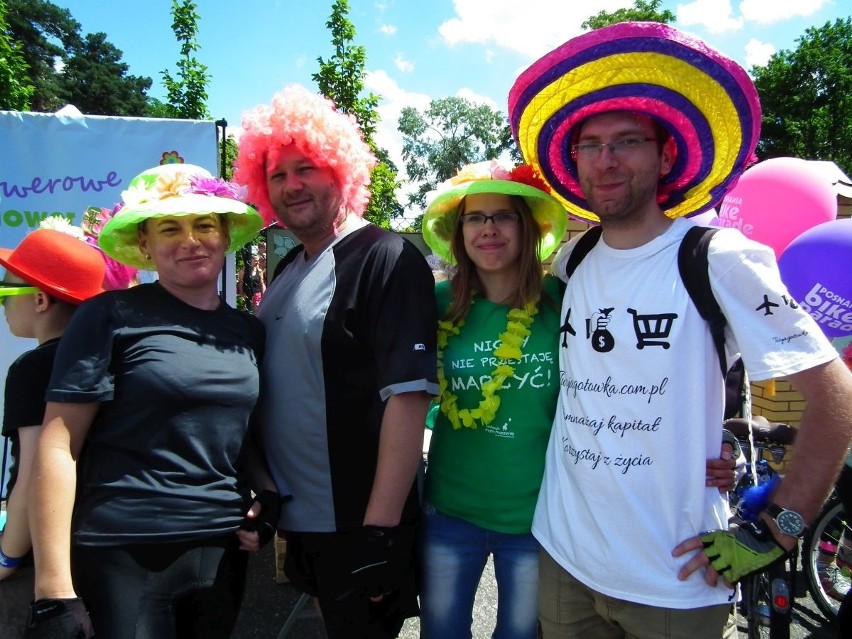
(641, 405)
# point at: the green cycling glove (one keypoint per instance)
(741, 550)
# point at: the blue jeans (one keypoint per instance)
(453, 554)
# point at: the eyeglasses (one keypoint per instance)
(478, 220)
(8, 290)
(619, 148)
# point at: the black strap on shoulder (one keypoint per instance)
(695, 273)
(585, 244)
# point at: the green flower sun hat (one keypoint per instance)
(439, 220)
(175, 189)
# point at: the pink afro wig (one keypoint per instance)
(312, 123)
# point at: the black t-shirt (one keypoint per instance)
(177, 387)
(26, 383)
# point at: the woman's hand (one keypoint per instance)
(261, 521)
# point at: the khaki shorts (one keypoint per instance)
(568, 608)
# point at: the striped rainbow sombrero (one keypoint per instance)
(705, 100)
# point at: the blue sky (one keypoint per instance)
(417, 50)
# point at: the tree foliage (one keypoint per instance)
(45, 34)
(341, 79)
(641, 11)
(15, 86)
(187, 93)
(806, 96)
(96, 81)
(452, 132)
(65, 67)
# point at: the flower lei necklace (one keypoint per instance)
(518, 322)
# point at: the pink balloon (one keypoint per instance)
(816, 268)
(775, 201)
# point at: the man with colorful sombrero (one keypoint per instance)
(635, 127)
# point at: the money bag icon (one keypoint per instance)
(602, 340)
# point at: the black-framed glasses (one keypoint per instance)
(619, 148)
(478, 220)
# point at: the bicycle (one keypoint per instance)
(824, 561)
(767, 596)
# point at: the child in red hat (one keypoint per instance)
(47, 276)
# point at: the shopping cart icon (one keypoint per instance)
(651, 330)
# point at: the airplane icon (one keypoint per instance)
(767, 306)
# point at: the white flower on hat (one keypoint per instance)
(60, 223)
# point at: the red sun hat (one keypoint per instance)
(58, 264)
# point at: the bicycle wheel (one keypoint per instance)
(768, 603)
(827, 581)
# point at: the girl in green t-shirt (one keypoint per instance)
(498, 374)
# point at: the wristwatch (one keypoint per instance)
(789, 521)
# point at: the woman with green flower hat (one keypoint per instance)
(144, 460)
(498, 376)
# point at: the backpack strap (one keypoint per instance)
(695, 273)
(585, 244)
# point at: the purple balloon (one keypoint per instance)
(816, 268)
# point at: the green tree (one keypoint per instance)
(65, 67)
(187, 93)
(341, 79)
(641, 11)
(96, 81)
(230, 148)
(452, 132)
(44, 33)
(806, 97)
(15, 86)
(156, 108)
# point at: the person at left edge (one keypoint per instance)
(148, 411)
(47, 276)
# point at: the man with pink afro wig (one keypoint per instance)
(349, 367)
(310, 123)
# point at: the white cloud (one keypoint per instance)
(714, 15)
(402, 64)
(387, 29)
(476, 98)
(772, 11)
(393, 100)
(538, 27)
(758, 53)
